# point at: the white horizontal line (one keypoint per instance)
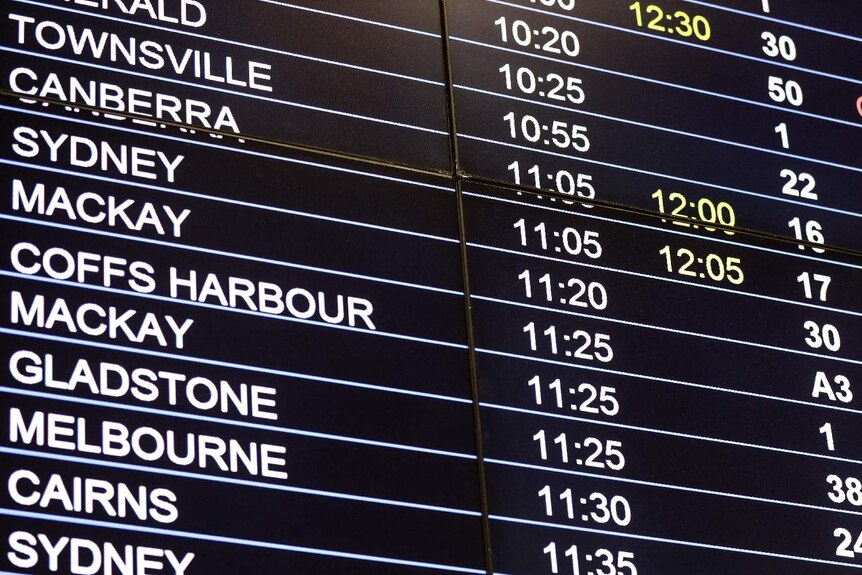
(355, 19)
(231, 422)
(665, 380)
(126, 22)
(714, 239)
(658, 82)
(651, 173)
(191, 248)
(232, 201)
(661, 128)
(663, 328)
(240, 202)
(776, 20)
(229, 480)
(216, 89)
(673, 434)
(684, 43)
(663, 279)
(214, 146)
(672, 541)
(668, 486)
(231, 540)
(230, 365)
(214, 307)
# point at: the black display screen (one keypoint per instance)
(507, 287)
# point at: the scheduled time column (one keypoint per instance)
(653, 399)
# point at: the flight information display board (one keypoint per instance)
(506, 287)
